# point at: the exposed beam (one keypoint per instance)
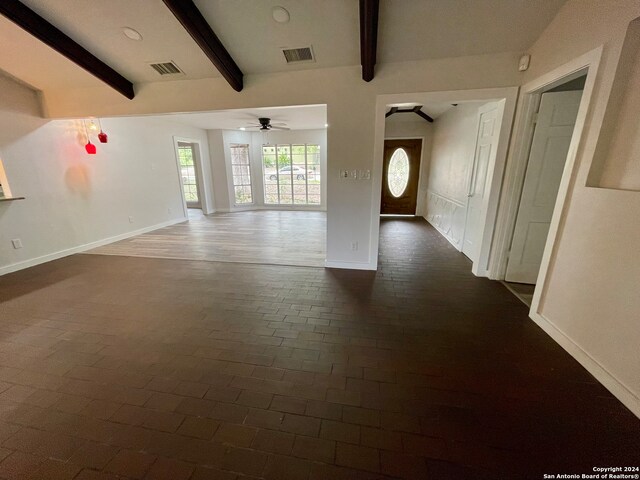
(391, 112)
(417, 110)
(368, 36)
(420, 113)
(192, 20)
(40, 28)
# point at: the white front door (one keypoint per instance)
(480, 181)
(549, 148)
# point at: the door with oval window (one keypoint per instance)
(401, 172)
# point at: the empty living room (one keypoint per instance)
(309, 240)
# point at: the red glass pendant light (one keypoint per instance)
(102, 136)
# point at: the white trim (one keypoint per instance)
(519, 157)
(444, 234)
(490, 202)
(508, 94)
(203, 196)
(606, 378)
(523, 133)
(350, 265)
(14, 267)
(448, 199)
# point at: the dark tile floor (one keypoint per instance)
(172, 369)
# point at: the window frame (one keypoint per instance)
(247, 148)
(291, 167)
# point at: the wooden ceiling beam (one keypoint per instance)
(368, 37)
(197, 26)
(391, 112)
(418, 111)
(47, 33)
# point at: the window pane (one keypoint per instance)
(241, 171)
(293, 171)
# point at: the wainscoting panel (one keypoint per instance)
(447, 216)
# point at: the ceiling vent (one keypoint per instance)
(166, 68)
(296, 55)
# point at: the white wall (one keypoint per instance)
(590, 302)
(452, 152)
(74, 199)
(350, 114)
(394, 128)
(218, 170)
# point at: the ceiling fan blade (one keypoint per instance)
(274, 127)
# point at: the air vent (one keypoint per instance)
(293, 55)
(166, 68)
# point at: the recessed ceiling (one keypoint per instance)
(305, 117)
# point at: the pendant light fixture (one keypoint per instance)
(102, 136)
(89, 147)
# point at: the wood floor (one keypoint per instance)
(127, 367)
(267, 237)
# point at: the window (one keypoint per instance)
(291, 174)
(398, 172)
(241, 174)
(189, 173)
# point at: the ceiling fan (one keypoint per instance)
(265, 125)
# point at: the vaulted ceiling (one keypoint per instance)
(408, 30)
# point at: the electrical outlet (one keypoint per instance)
(17, 243)
(354, 246)
(130, 219)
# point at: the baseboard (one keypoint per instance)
(349, 265)
(449, 239)
(610, 382)
(82, 248)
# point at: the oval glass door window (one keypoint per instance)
(398, 172)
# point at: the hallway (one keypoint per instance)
(157, 368)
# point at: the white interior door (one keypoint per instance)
(549, 148)
(479, 184)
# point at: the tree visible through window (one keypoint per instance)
(291, 174)
(188, 173)
(241, 174)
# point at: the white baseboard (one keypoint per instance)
(82, 248)
(349, 265)
(610, 382)
(449, 239)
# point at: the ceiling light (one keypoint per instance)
(326, 125)
(131, 34)
(242, 128)
(280, 14)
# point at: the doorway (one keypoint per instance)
(400, 176)
(189, 174)
(553, 130)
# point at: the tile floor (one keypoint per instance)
(125, 367)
